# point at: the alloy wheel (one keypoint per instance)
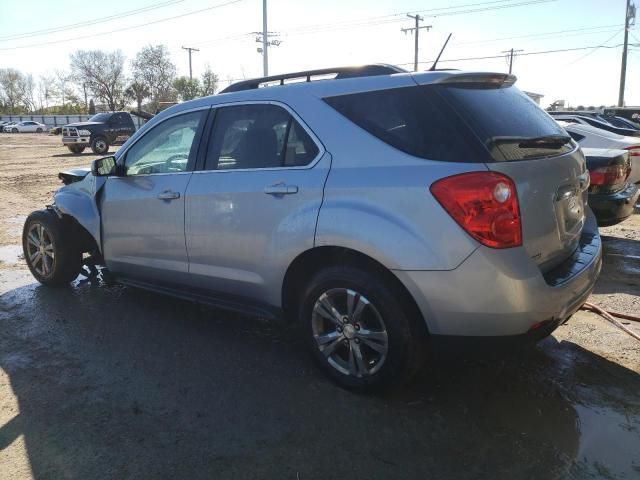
(40, 250)
(350, 332)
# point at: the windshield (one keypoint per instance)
(100, 117)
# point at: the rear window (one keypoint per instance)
(455, 123)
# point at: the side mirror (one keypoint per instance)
(103, 167)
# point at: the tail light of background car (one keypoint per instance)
(610, 175)
(484, 204)
(634, 151)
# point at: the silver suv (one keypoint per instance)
(381, 209)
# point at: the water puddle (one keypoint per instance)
(608, 442)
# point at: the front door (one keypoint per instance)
(254, 205)
(143, 209)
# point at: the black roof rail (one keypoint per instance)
(341, 72)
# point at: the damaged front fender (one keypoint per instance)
(79, 200)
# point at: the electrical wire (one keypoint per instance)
(582, 57)
(86, 23)
(231, 2)
(488, 57)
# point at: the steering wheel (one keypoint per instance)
(173, 158)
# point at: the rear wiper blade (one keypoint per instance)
(548, 141)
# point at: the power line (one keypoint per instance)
(543, 34)
(124, 28)
(384, 19)
(86, 23)
(596, 48)
(489, 57)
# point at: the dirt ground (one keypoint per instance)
(110, 382)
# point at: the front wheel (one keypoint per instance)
(99, 145)
(76, 149)
(50, 249)
(358, 331)
(14, 130)
(38, 130)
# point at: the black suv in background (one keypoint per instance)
(99, 132)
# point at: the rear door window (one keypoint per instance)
(258, 136)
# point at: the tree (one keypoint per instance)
(209, 82)
(154, 69)
(46, 91)
(9, 89)
(138, 92)
(187, 88)
(102, 73)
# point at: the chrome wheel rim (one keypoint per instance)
(100, 145)
(349, 332)
(40, 250)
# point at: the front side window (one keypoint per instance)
(166, 148)
(258, 136)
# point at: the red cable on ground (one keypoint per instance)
(590, 307)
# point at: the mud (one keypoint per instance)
(100, 381)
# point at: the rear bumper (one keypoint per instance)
(613, 208)
(502, 293)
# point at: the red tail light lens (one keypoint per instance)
(634, 151)
(485, 205)
(610, 175)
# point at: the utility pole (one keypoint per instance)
(511, 52)
(415, 29)
(190, 49)
(265, 40)
(630, 14)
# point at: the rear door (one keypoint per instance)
(143, 209)
(527, 145)
(254, 203)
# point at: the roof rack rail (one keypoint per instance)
(341, 72)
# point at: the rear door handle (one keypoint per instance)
(168, 195)
(281, 189)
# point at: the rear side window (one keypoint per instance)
(414, 120)
(455, 123)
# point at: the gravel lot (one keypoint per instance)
(112, 382)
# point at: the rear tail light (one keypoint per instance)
(634, 151)
(484, 204)
(609, 175)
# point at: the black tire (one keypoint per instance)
(14, 130)
(405, 339)
(66, 262)
(99, 145)
(38, 130)
(76, 149)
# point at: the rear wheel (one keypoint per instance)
(50, 249)
(99, 145)
(357, 330)
(76, 148)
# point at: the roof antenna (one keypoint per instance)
(433, 67)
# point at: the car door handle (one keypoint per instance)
(281, 189)
(168, 195)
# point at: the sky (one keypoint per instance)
(327, 33)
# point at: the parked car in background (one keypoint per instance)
(5, 128)
(611, 196)
(610, 118)
(594, 122)
(27, 126)
(99, 132)
(366, 207)
(591, 137)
